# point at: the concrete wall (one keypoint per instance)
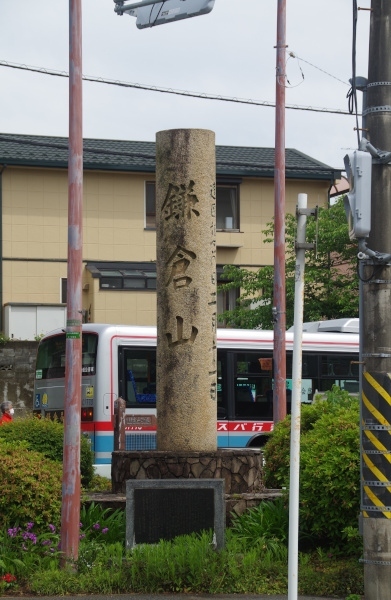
(17, 370)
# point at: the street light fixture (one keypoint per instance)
(155, 12)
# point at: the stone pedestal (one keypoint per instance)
(240, 469)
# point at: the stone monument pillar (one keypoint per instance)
(186, 290)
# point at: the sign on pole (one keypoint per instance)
(153, 12)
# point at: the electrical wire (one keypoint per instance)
(294, 55)
(150, 88)
(376, 269)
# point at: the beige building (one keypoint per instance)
(119, 269)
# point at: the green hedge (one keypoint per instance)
(47, 437)
(30, 486)
(329, 465)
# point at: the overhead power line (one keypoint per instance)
(162, 90)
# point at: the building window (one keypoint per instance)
(120, 276)
(132, 276)
(63, 291)
(150, 205)
(227, 206)
(226, 300)
(126, 279)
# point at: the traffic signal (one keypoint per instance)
(170, 10)
(358, 166)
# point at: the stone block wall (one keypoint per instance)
(241, 469)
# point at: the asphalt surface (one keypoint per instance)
(174, 597)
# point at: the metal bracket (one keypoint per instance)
(377, 483)
(378, 83)
(309, 212)
(376, 508)
(377, 109)
(304, 246)
(367, 561)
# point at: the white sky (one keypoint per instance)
(229, 52)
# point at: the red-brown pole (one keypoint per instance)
(279, 395)
(70, 515)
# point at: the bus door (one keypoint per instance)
(137, 386)
(252, 398)
(222, 400)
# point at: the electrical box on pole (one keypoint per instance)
(358, 166)
(160, 13)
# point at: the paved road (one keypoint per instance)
(173, 597)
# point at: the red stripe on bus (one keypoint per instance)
(231, 426)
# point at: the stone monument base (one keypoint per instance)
(240, 469)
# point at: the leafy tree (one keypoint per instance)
(329, 466)
(331, 283)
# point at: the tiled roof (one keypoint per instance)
(120, 155)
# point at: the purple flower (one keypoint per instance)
(96, 526)
(105, 529)
(13, 532)
(52, 528)
(29, 536)
(80, 525)
(82, 536)
(29, 526)
(46, 543)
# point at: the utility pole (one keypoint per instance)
(279, 311)
(70, 513)
(375, 316)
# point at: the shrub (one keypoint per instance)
(330, 475)
(329, 466)
(47, 436)
(277, 448)
(30, 486)
(264, 524)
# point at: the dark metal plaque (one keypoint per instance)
(161, 509)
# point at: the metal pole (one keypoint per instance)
(70, 515)
(294, 474)
(376, 326)
(279, 395)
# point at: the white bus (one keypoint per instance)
(120, 361)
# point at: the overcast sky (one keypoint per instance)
(229, 52)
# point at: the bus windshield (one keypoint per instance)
(51, 356)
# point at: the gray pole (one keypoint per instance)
(297, 362)
(376, 326)
(279, 309)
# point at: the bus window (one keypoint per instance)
(253, 382)
(338, 366)
(51, 356)
(310, 366)
(140, 377)
(221, 395)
